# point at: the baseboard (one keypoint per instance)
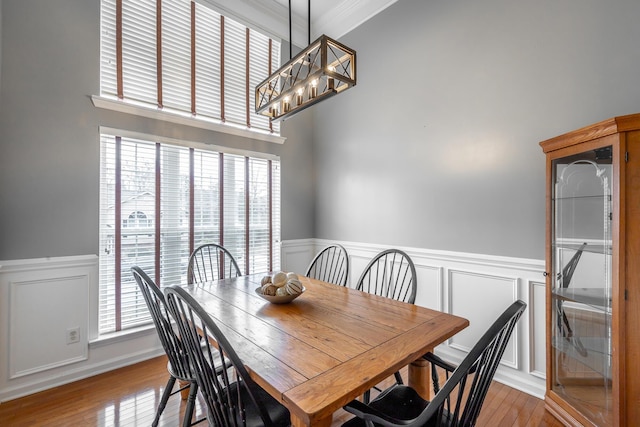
(10, 393)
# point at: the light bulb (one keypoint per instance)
(299, 92)
(330, 79)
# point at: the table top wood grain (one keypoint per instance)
(326, 347)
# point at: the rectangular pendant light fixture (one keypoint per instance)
(325, 68)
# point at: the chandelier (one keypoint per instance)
(321, 70)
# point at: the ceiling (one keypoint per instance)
(331, 17)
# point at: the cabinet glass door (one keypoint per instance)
(581, 283)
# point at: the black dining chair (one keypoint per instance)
(210, 262)
(178, 364)
(459, 401)
(391, 274)
(231, 396)
(330, 265)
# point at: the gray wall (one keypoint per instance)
(49, 150)
(437, 145)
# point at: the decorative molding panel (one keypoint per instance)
(48, 311)
(39, 300)
(297, 254)
(43, 333)
(481, 297)
(537, 332)
(430, 286)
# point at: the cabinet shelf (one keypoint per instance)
(585, 197)
(592, 352)
(603, 249)
(594, 297)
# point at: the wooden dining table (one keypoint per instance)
(328, 346)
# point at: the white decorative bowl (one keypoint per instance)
(278, 299)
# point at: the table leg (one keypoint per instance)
(419, 378)
(298, 422)
(184, 393)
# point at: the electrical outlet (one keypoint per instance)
(73, 335)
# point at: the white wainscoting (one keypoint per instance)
(39, 293)
(475, 286)
(40, 300)
(41, 335)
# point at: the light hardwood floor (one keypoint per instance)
(129, 396)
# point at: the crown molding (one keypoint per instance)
(272, 18)
(268, 16)
(348, 15)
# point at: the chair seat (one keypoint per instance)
(181, 376)
(402, 403)
(278, 413)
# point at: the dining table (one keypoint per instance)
(326, 347)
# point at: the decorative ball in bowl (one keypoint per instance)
(280, 288)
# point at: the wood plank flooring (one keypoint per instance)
(129, 397)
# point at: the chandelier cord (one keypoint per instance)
(308, 28)
(309, 23)
(290, 42)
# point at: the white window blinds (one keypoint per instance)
(159, 201)
(185, 58)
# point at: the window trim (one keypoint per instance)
(186, 143)
(128, 107)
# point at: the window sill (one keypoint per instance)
(122, 336)
(186, 120)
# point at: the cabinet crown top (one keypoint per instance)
(594, 131)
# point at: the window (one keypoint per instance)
(182, 57)
(159, 201)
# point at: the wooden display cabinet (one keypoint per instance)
(593, 274)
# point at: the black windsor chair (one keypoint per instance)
(330, 265)
(210, 262)
(459, 401)
(232, 397)
(178, 365)
(391, 274)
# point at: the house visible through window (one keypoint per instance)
(159, 201)
(137, 219)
